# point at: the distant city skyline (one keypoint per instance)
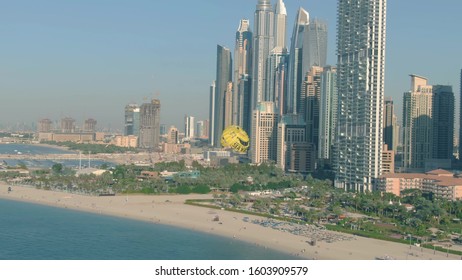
(90, 59)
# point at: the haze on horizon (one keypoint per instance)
(90, 58)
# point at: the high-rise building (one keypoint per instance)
(67, 125)
(206, 129)
(388, 124)
(163, 129)
(228, 106)
(460, 117)
(296, 67)
(315, 45)
(388, 160)
(277, 59)
(45, 125)
(199, 131)
(327, 112)
(443, 122)
(291, 130)
(242, 72)
(89, 125)
(360, 81)
(189, 127)
(262, 45)
(311, 95)
(132, 120)
(173, 135)
(224, 68)
(417, 124)
(275, 76)
(280, 23)
(150, 125)
(264, 133)
(212, 109)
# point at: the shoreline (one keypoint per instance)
(171, 210)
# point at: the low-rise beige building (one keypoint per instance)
(441, 183)
(129, 141)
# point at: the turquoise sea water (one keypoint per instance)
(36, 232)
(31, 149)
(25, 149)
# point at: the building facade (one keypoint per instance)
(441, 183)
(45, 126)
(224, 73)
(211, 128)
(150, 125)
(296, 67)
(189, 127)
(89, 125)
(263, 43)
(67, 125)
(389, 124)
(443, 122)
(327, 112)
(242, 74)
(360, 80)
(264, 133)
(417, 125)
(132, 120)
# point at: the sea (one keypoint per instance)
(36, 232)
(26, 149)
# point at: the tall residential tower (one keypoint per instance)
(224, 66)
(150, 125)
(360, 79)
(262, 45)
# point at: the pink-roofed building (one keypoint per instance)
(441, 183)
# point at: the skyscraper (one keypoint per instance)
(172, 136)
(211, 128)
(291, 130)
(443, 122)
(242, 71)
(45, 125)
(189, 124)
(277, 59)
(327, 112)
(150, 125)
(315, 45)
(360, 80)
(132, 120)
(199, 131)
(388, 124)
(89, 125)
(296, 74)
(67, 125)
(460, 117)
(264, 133)
(262, 45)
(417, 124)
(224, 68)
(280, 23)
(309, 108)
(228, 106)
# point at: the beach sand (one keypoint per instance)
(171, 210)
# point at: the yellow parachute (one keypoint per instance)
(235, 138)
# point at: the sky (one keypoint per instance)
(89, 58)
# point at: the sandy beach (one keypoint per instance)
(171, 210)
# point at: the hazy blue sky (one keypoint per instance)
(89, 58)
